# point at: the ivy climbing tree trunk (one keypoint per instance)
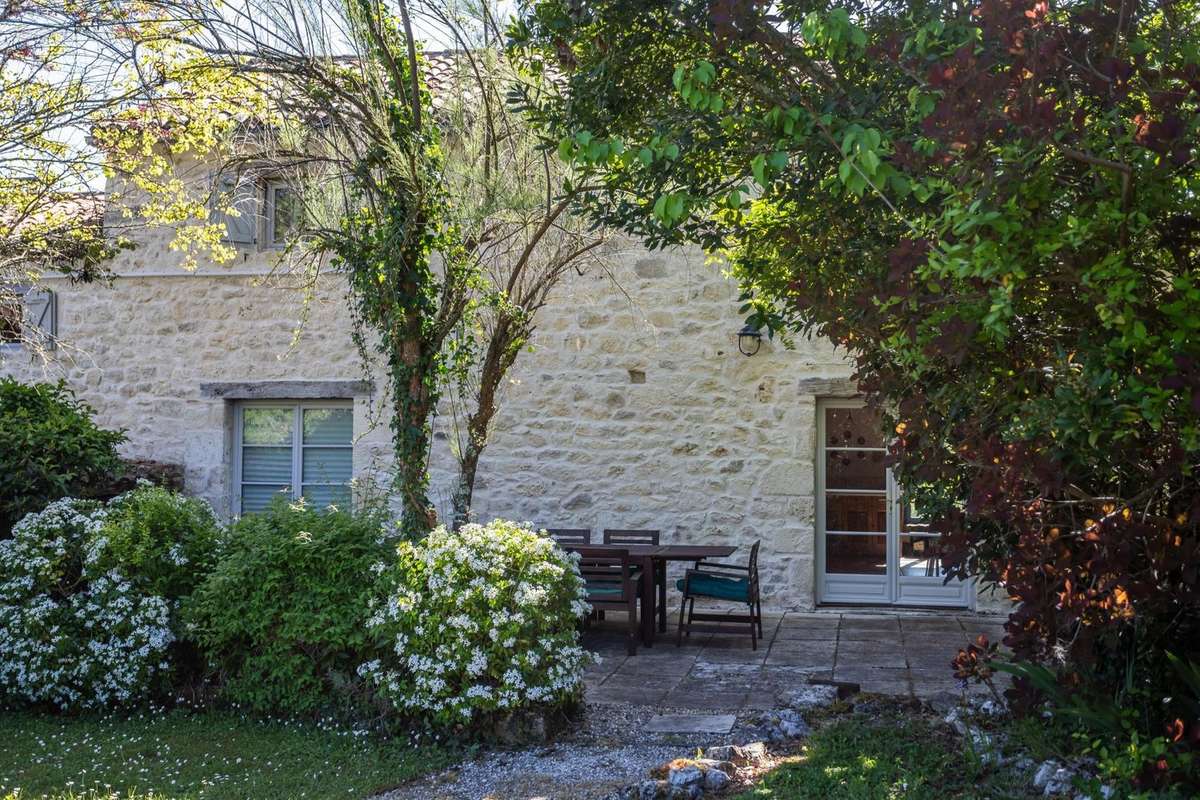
(448, 227)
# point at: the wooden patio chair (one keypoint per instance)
(611, 582)
(633, 536)
(570, 536)
(728, 582)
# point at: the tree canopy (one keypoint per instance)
(991, 205)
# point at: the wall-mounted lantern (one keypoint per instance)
(749, 340)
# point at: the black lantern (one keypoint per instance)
(749, 340)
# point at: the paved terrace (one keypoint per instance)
(900, 654)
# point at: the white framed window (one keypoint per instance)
(299, 449)
(285, 214)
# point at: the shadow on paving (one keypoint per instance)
(667, 701)
(891, 654)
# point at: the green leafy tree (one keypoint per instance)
(992, 207)
(88, 95)
(327, 97)
(448, 222)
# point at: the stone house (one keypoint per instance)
(636, 408)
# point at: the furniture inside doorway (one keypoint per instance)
(871, 547)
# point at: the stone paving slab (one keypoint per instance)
(691, 723)
(906, 654)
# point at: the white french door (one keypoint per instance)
(871, 549)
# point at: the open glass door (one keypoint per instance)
(870, 547)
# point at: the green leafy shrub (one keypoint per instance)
(479, 620)
(168, 540)
(1119, 734)
(90, 598)
(282, 617)
(49, 448)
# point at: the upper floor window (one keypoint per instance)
(285, 214)
(301, 449)
(271, 213)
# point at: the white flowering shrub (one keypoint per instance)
(72, 633)
(479, 620)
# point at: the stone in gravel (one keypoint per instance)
(686, 775)
(650, 790)
(715, 780)
(1024, 764)
(738, 754)
(691, 723)
(942, 702)
(712, 763)
(991, 708)
(1052, 778)
(954, 718)
(784, 724)
(1061, 783)
(807, 698)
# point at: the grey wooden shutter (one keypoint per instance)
(242, 195)
(41, 312)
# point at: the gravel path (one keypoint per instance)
(560, 772)
(608, 751)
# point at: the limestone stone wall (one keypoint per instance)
(634, 408)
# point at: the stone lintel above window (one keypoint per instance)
(286, 390)
(829, 387)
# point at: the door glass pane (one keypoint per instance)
(267, 425)
(856, 512)
(267, 464)
(855, 555)
(327, 464)
(852, 427)
(255, 498)
(328, 425)
(855, 469)
(919, 556)
(909, 520)
(324, 496)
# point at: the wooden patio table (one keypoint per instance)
(649, 554)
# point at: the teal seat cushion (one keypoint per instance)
(606, 589)
(717, 586)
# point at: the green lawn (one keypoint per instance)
(881, 758)
(180, 755)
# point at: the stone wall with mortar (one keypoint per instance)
(634, 408)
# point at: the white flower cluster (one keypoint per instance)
(480, 619)
(72, 635)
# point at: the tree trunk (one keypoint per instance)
(501, 353)
(468, 463)
(414, 378)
